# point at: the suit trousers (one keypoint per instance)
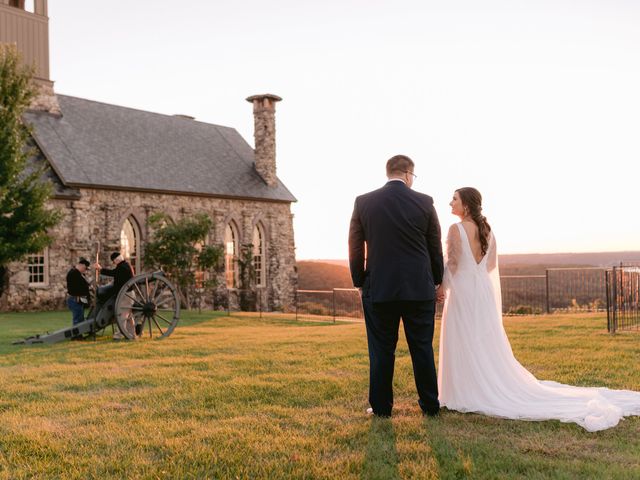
(383, 322)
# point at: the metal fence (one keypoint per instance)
(577, 289)
(523, 294)
(623, 298)
(564, 290)
(558, 290)
(338, 303)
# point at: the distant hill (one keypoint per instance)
(317, 275)
(595, 259)
(327, 274)
(344, 263)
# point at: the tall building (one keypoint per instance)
(112, 167)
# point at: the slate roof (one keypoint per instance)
(38, 161)
(95, 144)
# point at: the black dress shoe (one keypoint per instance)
(432, 413)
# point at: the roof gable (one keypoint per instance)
(100, 145)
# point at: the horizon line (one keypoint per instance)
(508, 254)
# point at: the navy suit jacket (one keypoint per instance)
(398, 232)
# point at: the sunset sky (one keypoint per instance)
(535, 103)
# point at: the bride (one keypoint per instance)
(477, 369)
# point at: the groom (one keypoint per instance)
(397, 230)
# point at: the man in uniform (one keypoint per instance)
(121, 274)
(78, 290)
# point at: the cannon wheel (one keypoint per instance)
(147, 306)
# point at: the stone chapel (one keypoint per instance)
(112, 167)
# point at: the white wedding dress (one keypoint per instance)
(477, 369)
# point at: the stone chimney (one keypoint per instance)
(45, 99)
(264, 115)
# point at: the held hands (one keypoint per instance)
(439, 294)
(97, 266)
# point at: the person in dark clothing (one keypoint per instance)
(78, 290)
(121, 274)
(395, 257)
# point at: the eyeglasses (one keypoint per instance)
(411, 173)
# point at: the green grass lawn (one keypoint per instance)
(243, 397)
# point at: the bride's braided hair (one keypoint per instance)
(472, 202)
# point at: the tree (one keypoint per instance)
(25, 218)
(179, 250)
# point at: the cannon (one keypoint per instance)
(147, 305)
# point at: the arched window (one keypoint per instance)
(130, 243)
(259, 255)
(231, 255)
(200, 276)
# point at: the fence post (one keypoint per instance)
(614, 294)
(607, 286)
(334, 305)
(547, 288)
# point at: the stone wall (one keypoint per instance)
(19, 296)
(99, 215)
